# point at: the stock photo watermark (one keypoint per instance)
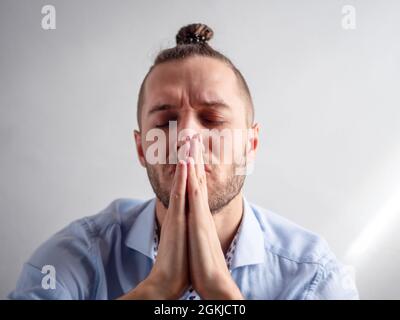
(349, 17)
(49, 18)
(348, 21)
(49, 278)
(226, 146)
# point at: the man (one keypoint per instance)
(199, 238)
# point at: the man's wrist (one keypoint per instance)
(146, 290)
(224, 288)
(229, 292)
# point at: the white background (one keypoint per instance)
(327, 100)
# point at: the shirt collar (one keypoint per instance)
(140, 236)
(250, 240)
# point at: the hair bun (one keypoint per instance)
(194, 33)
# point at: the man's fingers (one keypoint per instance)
(196, 152)
(178, 188)
(201, 173)
(183, 151)
(177, 197)
(193, 189)
(198, 209)
(197, 194)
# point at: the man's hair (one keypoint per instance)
(192, 40)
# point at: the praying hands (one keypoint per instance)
(189, 251)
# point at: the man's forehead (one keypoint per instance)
(203, 77)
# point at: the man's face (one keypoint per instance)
(200, 95)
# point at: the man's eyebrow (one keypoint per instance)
(207, 103)
(160, 107)
(215, 103)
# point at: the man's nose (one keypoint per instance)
(187, 128)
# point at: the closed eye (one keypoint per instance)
(213, 122)
(164, 122)
(205, 121)
(164, 125)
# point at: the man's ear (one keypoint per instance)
(139, 147)
(252, 143)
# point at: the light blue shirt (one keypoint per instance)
(106, 255)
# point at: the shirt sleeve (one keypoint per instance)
(63, 267)
(333, 281)
(29, 287)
